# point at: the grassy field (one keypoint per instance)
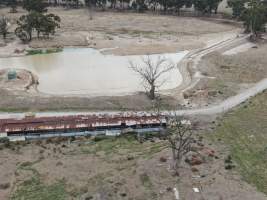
(118, 163)
(33, 188)
(244, 131)
(122, 145)
(43, 51)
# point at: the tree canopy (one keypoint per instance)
(206, 6)
(254, 17)
(36, 21)
(35, 5)
(3, 26)
(238, 7)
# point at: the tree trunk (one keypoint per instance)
(152, 92)
(176, 160)
(165, 9)
(216, 10)
(173, 159)
(30, 36)
(91, 11)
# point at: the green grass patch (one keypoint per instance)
(145, 180)
(34, 189)
(34, 52)
(244, 131)
(109, 145)
(43, 51)
(122, 145)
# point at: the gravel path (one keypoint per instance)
(229, 103)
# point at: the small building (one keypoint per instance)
(12, 74)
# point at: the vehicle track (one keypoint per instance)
(192, 61)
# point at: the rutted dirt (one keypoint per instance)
(228, 75)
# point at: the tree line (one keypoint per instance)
(252, 12)
(166, 6)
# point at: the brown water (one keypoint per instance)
(87, 71)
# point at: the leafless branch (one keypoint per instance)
(150, 72)
(179, 135)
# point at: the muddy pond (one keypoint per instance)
(89, 72)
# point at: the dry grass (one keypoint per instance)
(243, 132)
(132, 33)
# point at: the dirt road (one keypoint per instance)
(228, 103)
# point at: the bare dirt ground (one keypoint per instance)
(227, 75)
(117, 168)
(33, 102)
(23, 81)
(131, 33)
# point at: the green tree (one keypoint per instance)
(47, 25)
(122, 2)
(254, 17)
(200, 5)
(13, 5)
(166, 4)
(113, 4)
(3, 2)
(206, 6)
(139, 5)
(35, 5)
(72, 3)
(3, 26)
(238, 7)
(26, 25)
(213, 5)
(36, 20)
(181, 3)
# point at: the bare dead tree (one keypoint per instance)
(151, 72)
(158, 105)
(180, 138)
